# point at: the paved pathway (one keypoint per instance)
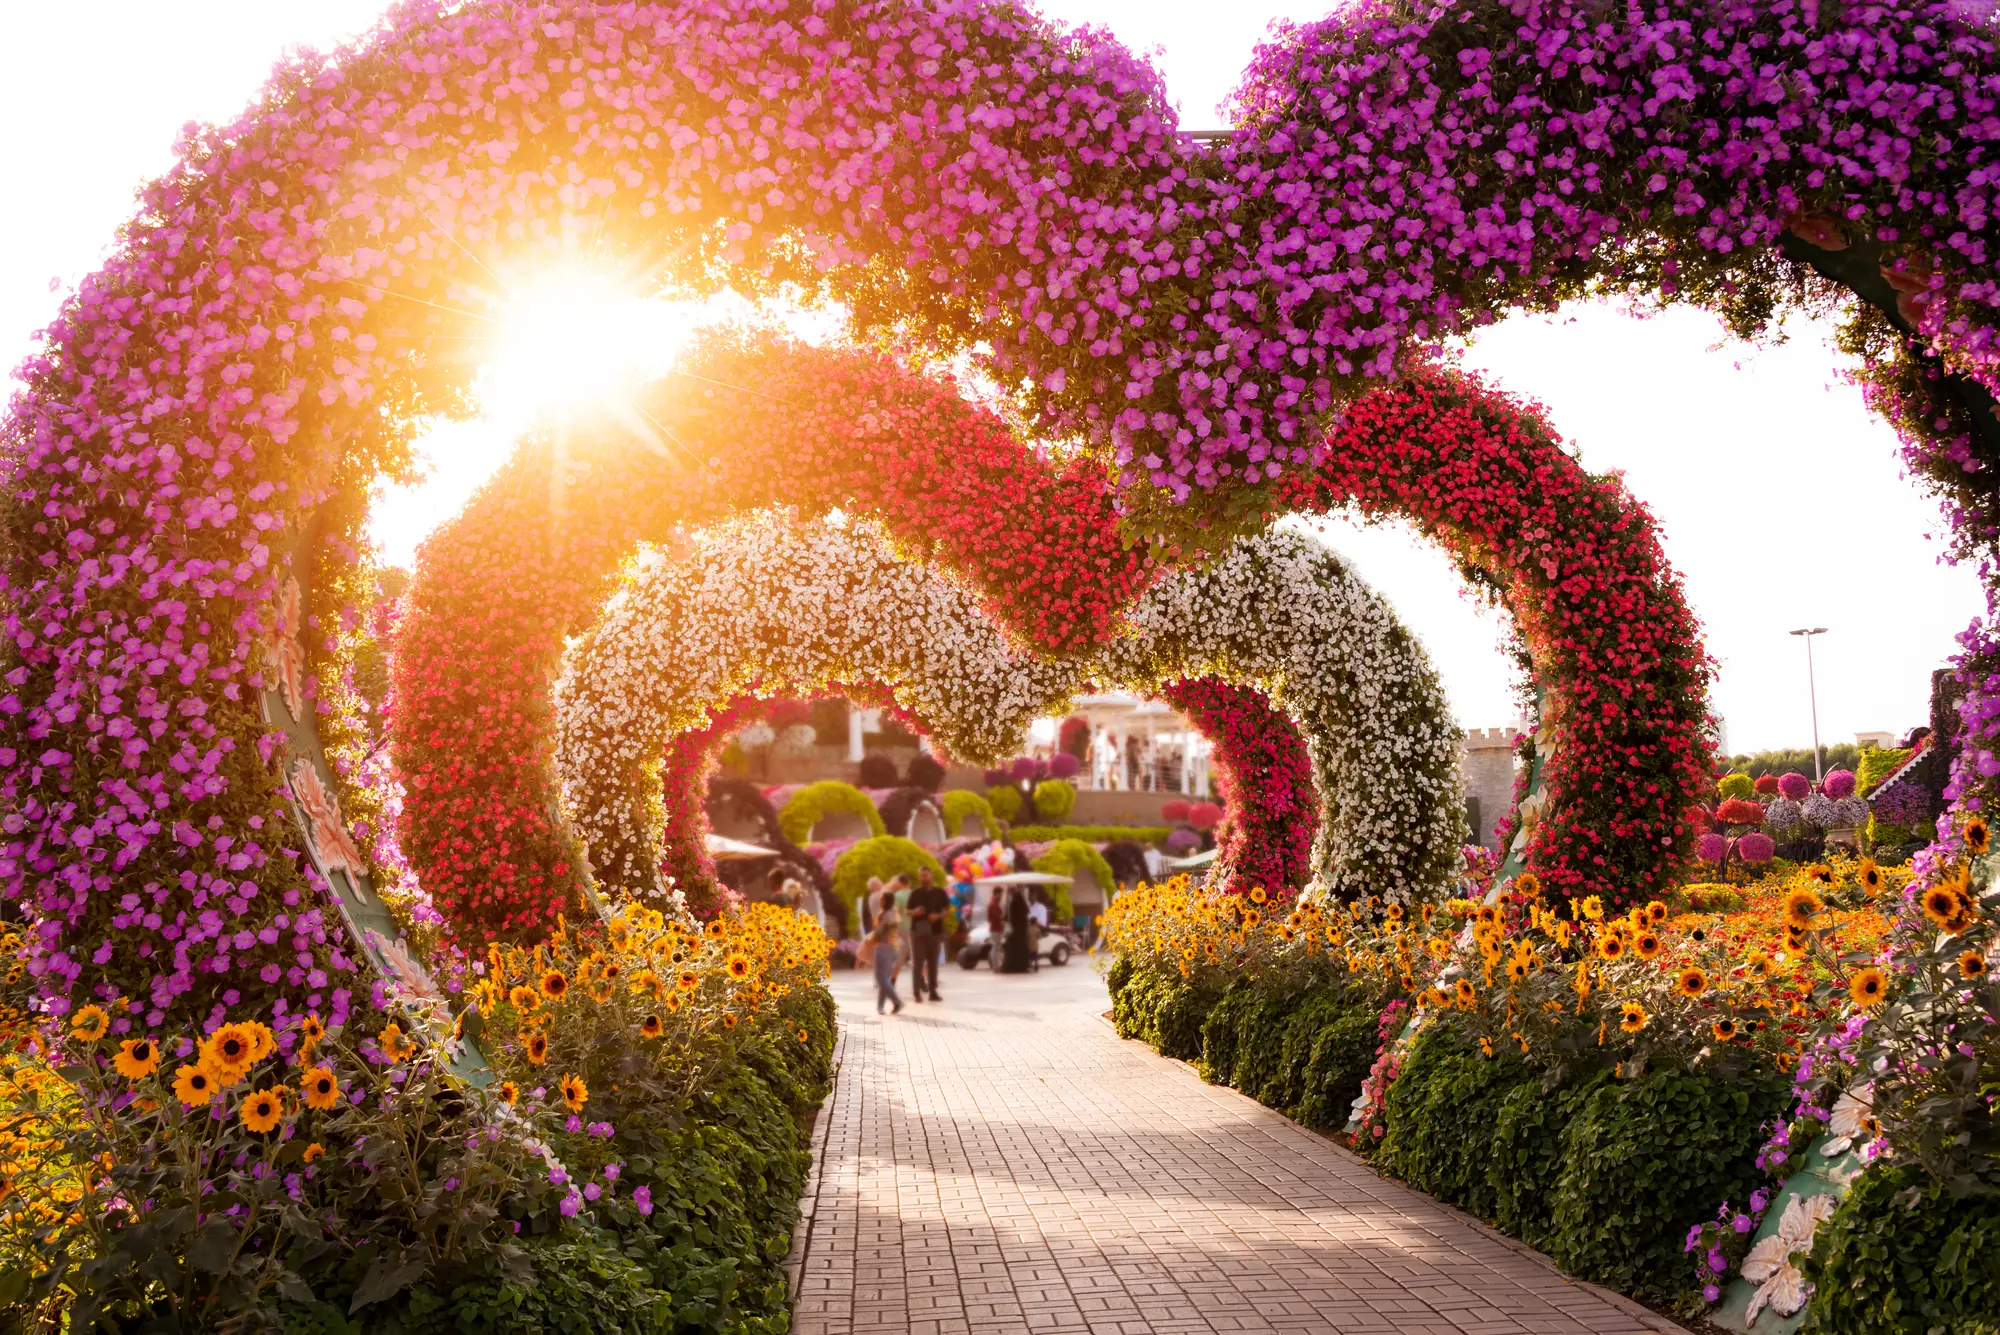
(1003, 1162)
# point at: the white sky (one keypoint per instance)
(1780, 497)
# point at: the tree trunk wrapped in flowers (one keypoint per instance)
(1262, 767)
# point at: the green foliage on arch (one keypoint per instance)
(884, 856)
(816, 801)
(960, 803)
(1067, 858)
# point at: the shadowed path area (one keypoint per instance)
(1003, 1162)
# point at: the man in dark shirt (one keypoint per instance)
(928, 906)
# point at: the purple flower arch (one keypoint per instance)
(283, 308)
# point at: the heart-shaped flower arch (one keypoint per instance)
(791, 610)
(268, 333)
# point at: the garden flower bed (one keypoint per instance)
(1626, 1092)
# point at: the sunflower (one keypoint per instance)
(1591, 907)
(311, 1030)
(1820, 873)
(137, 1058)
(717, 929)
(1486, 1046)
(729, 1019)
(194, 1086)
(1978, 838)
(804, 1037)
(1799, 907)
(262, 1041)
(1488, 916)
(1632, 1017)
(574, 1093)
(1941, 905)
(319, 1089)
(1723, 1029)
(1867, 988)
(1257, 894)
(1656, 912)
(89, 1023)
(395, 1046)
(537, 1049)
(554, 986)
(262, 1111)
(523, 997)
(1611, 946)
(650, 1026)
(1646, 945)
(1691, 982)
(1971, 965)
(510, 1093)
(611, 971)
(1528, 885)
(1869, 875)
(738, 966)
(313, 1152)
(227, 1053)
(1467, 993)
(648, 983)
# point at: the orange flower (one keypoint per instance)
(1646, 945)
(1971, 965)
(510, 1093)
(574, 1093)
(1799, 907)
(195, 1086)
(262, 1111)
(650, 1026)
(554, 986)
(89, 1023)
(738, 966)
(228, 1053)
(319, 1089)
(1691, 982)
(395, 1046)
(137, 1058)
(1867, 988)
(1632, 1017)
(313, 1152)
(537, 1049)
(1723, 1029)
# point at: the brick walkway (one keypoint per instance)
(1003, 1162)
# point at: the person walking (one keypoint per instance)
(886, 941)
(928, 906)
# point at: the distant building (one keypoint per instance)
(1487, 762)
(1885, 740)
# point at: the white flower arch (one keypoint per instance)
(765, 606)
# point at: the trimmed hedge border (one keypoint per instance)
(1605, 1175)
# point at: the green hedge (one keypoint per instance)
(726, 1174)
(1159, 1009)
(955, 805)
(1092, 834)
(816, 801)
(1901, 1257)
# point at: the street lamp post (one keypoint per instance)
(1812, 694)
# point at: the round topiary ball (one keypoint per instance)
(1063, 765)
(1794, 786)
(1767, 785)
(1755, 848)
(1712, 848)
(1738, 786)
(1838, 784)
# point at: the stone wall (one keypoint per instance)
(1487, 762)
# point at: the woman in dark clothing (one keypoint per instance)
(1019, 955)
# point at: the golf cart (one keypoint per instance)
(1056, 943)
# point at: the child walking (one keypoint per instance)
(887, 942)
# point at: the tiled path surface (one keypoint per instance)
(1003, 1162)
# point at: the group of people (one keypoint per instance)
(904, 922)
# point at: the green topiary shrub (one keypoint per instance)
(1738, 786)
(816, 801)
(1005, 801)
(1093, 834)
(1901, 1257)
(1442, 1110)
(1055, 799)
(1339, 1041)
(1644, 1159)
(1066, 859)
(956, 805)
(883, 856)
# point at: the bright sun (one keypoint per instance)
(573, 341)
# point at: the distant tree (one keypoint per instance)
(1840, 755)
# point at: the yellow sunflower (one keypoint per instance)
(311, 1030)
(1592, 907)
(1869, 875)
(1972, 965)
(195, 1086)
(1656, 912)
(1867, 988)
(1723, 1029)
(1941, 905)
(1257, 895)
(313, 1152)
(1646, 945)
(537, 1049)
(1799, 907)
(574, 1092)
(227, 1053)
(650, 1026)
(1691, 982)
(1632, 1017)
(262, 1111)
(1527, 885)
(523, 997)
(1610, 946)
(319, 1088)
(510, 1093)
(1820, 874)
(395, 1046)
(1517, 969)
(1978, 838)
(89, 1023)
(1467, 993)
(554, 986)
(738, 965)
(137, 1058)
